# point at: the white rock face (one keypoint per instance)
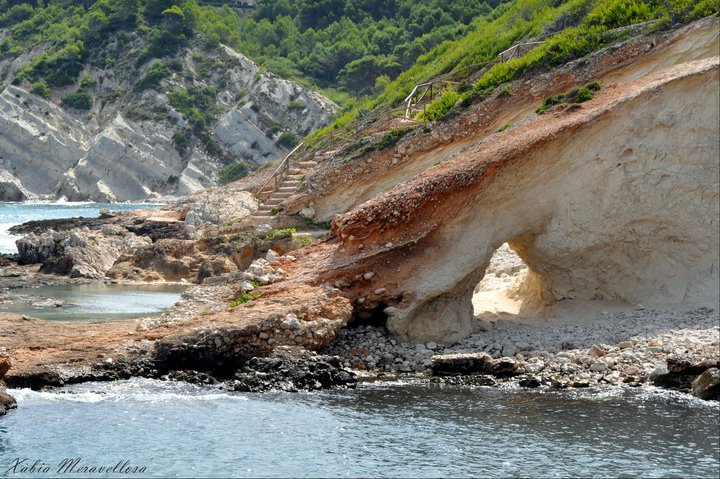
(215, 207)
(48, 152)
(247, 128)
(38, 142)
(81, 253)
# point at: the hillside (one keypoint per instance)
(127, 100)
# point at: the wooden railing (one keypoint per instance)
(420, 91)
(518, 49)
(277, 176)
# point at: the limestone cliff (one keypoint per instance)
(614, 199)
(133, 143)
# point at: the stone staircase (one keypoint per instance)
(278, 190)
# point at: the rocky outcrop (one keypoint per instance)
(214, 207)
(7, 402)
(613, 199)
(473, 363)
(707, 385)
(164, 260)
(291, 369)
(126, 147)
(79, 253)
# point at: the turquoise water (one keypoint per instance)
(92, 301)
(379, 430)
(12, 214)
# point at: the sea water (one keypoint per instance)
(167, 429)
(12, 214)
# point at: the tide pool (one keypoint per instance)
(80, 302)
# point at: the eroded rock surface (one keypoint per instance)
(614, 199)
(79, 253)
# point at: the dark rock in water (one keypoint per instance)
(707, 385)
(193, 377)
(473, 363)
(7, 402)
(682, 371)
(291, 369)
(452, 364)
(530, 382)
(466, 380)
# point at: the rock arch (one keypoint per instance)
(615, 199)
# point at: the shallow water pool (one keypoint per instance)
(81, 302)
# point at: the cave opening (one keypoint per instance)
(375, 316)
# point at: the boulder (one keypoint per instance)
(4, 365)
(7, 402)
(707, 385)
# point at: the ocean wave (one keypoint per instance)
(136, 389)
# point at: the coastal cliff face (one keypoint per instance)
(615, 199)
(133, 143)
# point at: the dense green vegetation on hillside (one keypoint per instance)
(355, 44)
(570, 29)
(374, 51)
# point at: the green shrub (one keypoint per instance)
(41, 88)
(296, 105)
(303, 240)
(153, 76)
(277, 233)
(234, 172)
(87, 81)
(181, 142)
(594, 86)
(504, 127)
(288, 140)
(550, 102)
(390, 138)
(79, 100)
(440, 107)
(506, 92)
(243, 298)
(584, 94)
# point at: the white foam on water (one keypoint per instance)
(141, 390)
(7, 241)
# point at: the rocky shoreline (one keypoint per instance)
(617, 347)
(661, 348)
